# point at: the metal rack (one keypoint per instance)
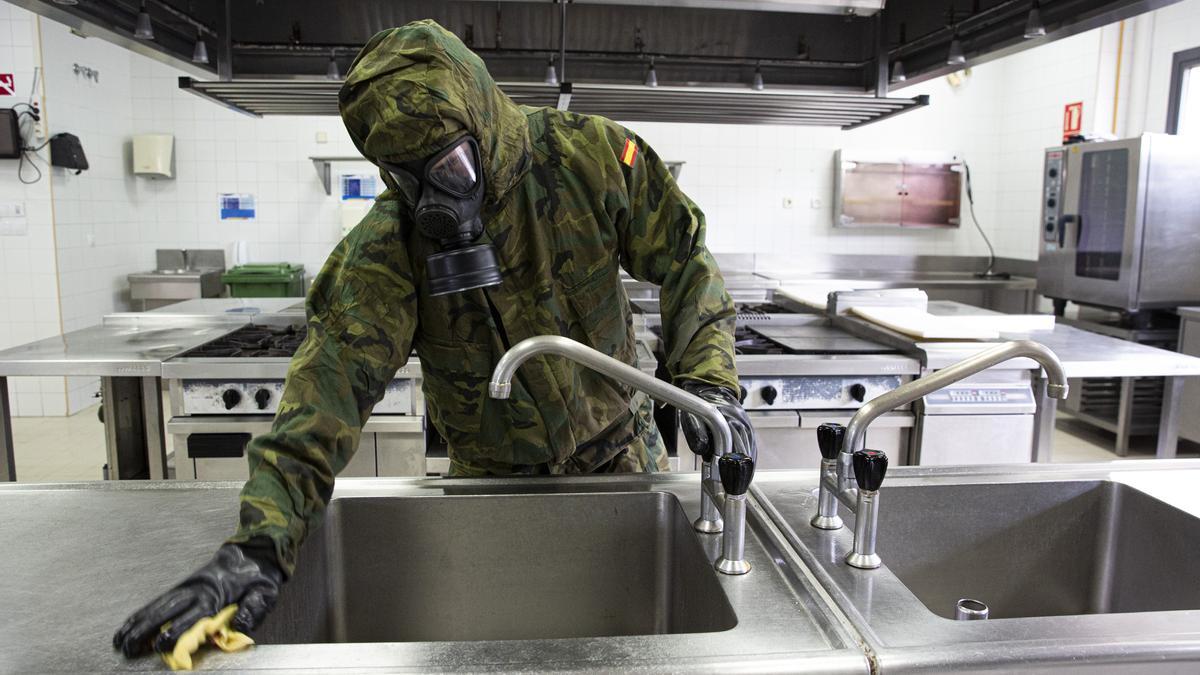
(623, 102)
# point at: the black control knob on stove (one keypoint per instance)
(769, 394)
(742, 394)
(262, 398)
(829, 439)
(737, 470)
(869, 469)
(858, 392)
(231, 397)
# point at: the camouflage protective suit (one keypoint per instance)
(570, 200)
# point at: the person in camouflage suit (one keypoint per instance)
(570, 201)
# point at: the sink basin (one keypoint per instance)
(1040, 549)
(500, 567)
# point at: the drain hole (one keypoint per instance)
(968, 609)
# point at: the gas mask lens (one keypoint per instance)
(455, 172)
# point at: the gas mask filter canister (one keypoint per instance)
(451, 195)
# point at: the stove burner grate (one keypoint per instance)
(746, 341)
(254, 342)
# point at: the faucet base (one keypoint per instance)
(727, 566)
(863, 561)
(820, 522)
(708, 526)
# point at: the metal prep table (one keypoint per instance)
(128, 360)
(1083, 354)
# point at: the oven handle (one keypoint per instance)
(900, 419)
(261, 424)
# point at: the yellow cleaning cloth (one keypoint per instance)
(214, 629)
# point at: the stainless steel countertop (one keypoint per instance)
(112, 350)
(1190, 313)
(867, 279)
(1083, 353)
(79, 557)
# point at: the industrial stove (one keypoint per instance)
(226, 391)
(798, 372)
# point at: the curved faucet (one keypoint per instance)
(837, 484)
(711, 492)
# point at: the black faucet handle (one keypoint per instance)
(869, 468)
(829, 439)
(737, 470)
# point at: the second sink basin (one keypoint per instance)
(1040, 549)
(528, 566)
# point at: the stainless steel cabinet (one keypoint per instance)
(1189, 406)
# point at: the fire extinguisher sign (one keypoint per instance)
(1072, 119)
(8, 86)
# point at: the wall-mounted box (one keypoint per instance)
(154, 155)
(920, 190)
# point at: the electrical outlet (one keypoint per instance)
(788, 202)
(322, 137)
(815, 203)
(39, 130)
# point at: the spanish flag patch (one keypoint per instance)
(629, 152)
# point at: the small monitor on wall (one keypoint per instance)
(10, 134)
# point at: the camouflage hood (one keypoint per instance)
(414, 89)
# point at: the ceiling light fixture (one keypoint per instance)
(69, 3)
(898, 74)
(652, 75)
(332, 72)
(143, 30)
(955, 56)
(200, 51)
(551, 73)
(1034, 28)
(757, 84)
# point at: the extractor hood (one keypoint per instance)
(620, 102)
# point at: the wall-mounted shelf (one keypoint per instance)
(324, 167)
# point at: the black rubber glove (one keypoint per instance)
(246, 574)
(696, 431)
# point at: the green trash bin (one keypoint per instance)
(265, 280)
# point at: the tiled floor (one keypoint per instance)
(72, 448)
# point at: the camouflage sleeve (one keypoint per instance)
(662, 241)
(361, 318)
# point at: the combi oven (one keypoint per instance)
(1121, 224)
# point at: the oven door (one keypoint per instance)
(1097, 255)
(213, 447)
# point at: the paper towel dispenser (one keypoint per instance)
(154, 155)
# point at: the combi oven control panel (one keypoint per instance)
(1053, 180)
(255, 397)
(814, 392)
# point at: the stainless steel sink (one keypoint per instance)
(1040, 549)
(1082, 567)
(510, 567)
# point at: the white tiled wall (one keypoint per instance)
(29, 300)
(220, 151)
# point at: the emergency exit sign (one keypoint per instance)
(1072, 119)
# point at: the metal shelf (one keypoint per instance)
(324, 167)
(634, 103)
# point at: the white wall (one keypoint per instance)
(28, 269)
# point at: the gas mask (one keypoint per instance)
(447, 190)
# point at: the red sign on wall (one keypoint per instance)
(1072, 119)
(8, 85)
